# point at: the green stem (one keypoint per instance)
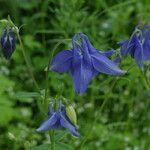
(52, 133)
(53, 140)
(46, 88)
(27, 62)
(97, 114)
(48, 67)
(146, 82)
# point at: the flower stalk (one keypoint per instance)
(27, 62)
(15, 29)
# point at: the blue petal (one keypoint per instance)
(81, 50)
(82, 74)
(146, 47)
(87, 42)
(77, 50)
(117, 59)
(134, 41)
(128, 46)
(122, 42)
(124, 49)
(57, 124)
(108, 53)
(141, 66)
(50, 110)
(86, 48)
(104, 65)
(62, 61)
(48, 123)
(66, 124)
(138, 56)
(8, 43)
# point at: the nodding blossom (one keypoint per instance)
(83, 62)
(8, 43)
(57, 120)
(138, 46)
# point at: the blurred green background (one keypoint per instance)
(121, 123)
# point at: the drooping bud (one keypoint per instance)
(60, 117)
(71, 114)
(8, 43)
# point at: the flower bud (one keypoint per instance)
(15, 29)
(46, 69)
(71, 114)
(8, 43)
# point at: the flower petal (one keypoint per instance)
(124, 49)
(50, 109)
(108, 53)
(48, 123)
(8, 43)
(138, 56)
(82, 49)
(104, 65)
(146, 47)
(62, 61)
(82, 74)
(66, 124)
(134, 41)
(117, 59)
(57, 125)
(87, 42)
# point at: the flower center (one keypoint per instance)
(79, 45)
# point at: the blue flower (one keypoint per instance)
(83, 61)
(138, 46)
(8, 43)
(57, 120)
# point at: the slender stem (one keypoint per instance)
(96, 116)
(147, 86)
(53, 140)
(46, 87)
(146, 82)
(48, 67)
(27, 62)
(52, 133)
(16, 30)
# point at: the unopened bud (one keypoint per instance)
(46, 69)
(15, 29)
(71, 114)
(8, 43)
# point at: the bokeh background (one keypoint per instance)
(114, 114)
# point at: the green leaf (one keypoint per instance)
(7, 114)
(26, 94)
(42, 147)
(5, 100)
(5, 83)
(63, 146)
(58, 146)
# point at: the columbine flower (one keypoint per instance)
(8, 42)
(138, 46)
(83, 61)
(57, 120)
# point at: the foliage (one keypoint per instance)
(122, 123)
